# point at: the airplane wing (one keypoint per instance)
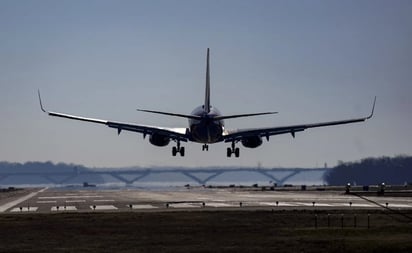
(238, 134)
(172, 133)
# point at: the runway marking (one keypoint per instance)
(72, 197)
(76, 201)
(253, 196)
(63, 208)
(340, 204)
(142, 207)
(103, 200)
(399, 205)
(18, 201)
(286, 204)
(46, 201)
(363, 205)
(268, 203)
(217, 204)
(304, 204)
(103, 207)
(295, 204)
(274, 204)
(322, 204)
(184, 205)
(24, 209)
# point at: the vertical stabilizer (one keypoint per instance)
(207, 91)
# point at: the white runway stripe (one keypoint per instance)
(76, 201)
(287, 204)
(399, 205)
(18, 201)
(63, 208)
(363, 205)
(142, 207)
(103, 200)
(322, 204)
(103, 207)
(25, 209)
(303, 204)
(72, 197)
(184, 205)
(274, 204)
(218, 204)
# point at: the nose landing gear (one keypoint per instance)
(205, 147)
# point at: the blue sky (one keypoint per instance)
(310, 60)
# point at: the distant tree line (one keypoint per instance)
(43, 167)
(22, 173)
(370, 171)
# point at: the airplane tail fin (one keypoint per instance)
(206, 106)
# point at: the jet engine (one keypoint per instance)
(252, 142)
(159, 140)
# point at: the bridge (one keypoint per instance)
(200, 176)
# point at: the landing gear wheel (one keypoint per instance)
(205, 147)
(229, 152)
(178, 149)
(232, 150)
(237, 152)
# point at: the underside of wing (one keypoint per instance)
(239, 134)
(178, 134)
(172, 133)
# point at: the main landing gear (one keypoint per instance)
(178, 149)
(233, 150)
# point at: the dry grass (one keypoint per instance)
(204, 231)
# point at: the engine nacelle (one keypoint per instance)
(159, 140)
(252, 142)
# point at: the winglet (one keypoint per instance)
(373, 109)
(41, 105)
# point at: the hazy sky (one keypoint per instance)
(310, 60)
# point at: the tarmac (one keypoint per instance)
(54, 200)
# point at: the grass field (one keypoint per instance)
(206, 231)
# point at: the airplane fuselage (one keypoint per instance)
(206, 129)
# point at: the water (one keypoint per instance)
(174, 180)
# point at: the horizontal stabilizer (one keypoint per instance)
(171, 114)
(242, 115)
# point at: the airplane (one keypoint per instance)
(206, 126)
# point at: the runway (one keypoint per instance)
(53, 200)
